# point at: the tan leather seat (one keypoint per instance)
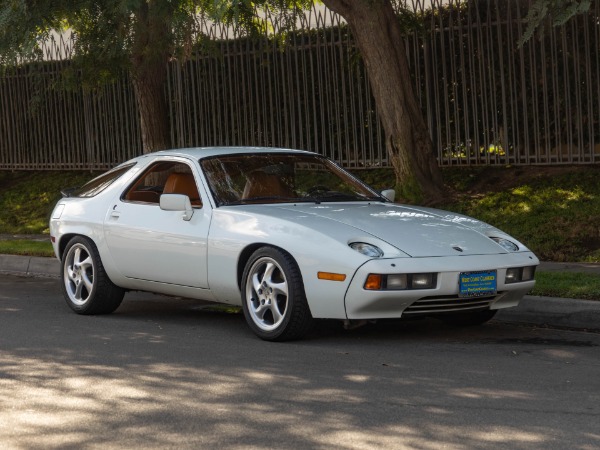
(261, 184)
(183, 183)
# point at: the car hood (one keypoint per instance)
(417, 231)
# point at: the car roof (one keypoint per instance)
(203, 152)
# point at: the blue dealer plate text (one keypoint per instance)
(477, 284)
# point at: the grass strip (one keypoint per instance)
(26, 247)
(567, 285)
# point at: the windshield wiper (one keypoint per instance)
(251, 200)
(335, 196)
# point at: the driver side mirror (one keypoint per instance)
(177, 202)
(390, 194)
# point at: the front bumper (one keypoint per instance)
(365, 304)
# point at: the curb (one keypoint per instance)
(554, 312)
(548, 266)
(30, 266)
(540, 311)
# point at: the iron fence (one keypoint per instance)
(486, 100)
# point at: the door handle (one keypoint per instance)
(114, 213)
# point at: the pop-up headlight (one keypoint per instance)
(507, 245)
(367, 249)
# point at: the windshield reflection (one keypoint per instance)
(281, 178)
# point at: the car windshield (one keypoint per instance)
(281, 178)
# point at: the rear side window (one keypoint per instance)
(98, 184)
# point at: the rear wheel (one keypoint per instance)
(86, 286)
(469, 319)
(273, 297)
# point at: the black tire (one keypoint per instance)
(469, 319)
(273, 297)
(85, 284)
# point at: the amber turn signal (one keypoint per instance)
(373, 282)
(331, 276)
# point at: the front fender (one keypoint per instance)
(234, 235)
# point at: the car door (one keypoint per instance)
(148, 243)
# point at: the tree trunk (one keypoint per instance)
(149, 59)
(152, 105)
(378, 35)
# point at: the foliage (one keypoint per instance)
(139, 36)
(556, 213)
(543, 13)
(28, 198)
(20, 30)
(107, 32)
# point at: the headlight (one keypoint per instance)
(367, 249)
(506, 244)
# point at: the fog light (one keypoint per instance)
(513, 275)
(518, 274)
(422, 281)
(398, 281)
(528, 273)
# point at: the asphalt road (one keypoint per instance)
(165, 372)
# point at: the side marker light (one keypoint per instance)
(331, 276)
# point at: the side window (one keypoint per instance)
(163, 177)
(98, 184)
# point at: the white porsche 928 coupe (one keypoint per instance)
(286, 234)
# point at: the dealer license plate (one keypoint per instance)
(477, 284)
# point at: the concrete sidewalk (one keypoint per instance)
(31, 266)
(541, 311)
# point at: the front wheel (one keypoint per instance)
(86, 286)
(273, 297)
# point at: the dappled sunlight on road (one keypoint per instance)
(164, 373)
(495, 394)
(63, 401)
